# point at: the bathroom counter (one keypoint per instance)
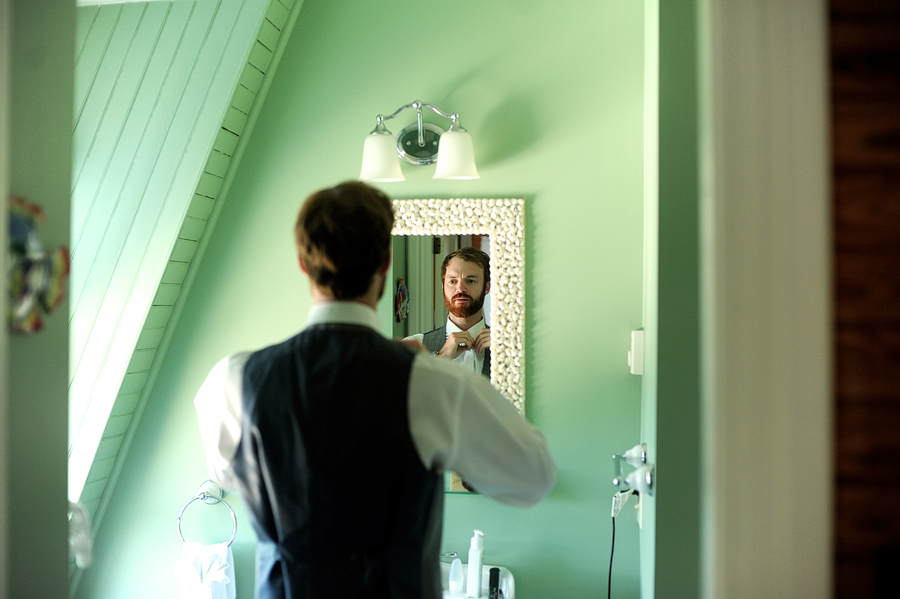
(507, 583)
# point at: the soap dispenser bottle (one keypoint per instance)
(476, 555)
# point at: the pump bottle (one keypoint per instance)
(476, 555)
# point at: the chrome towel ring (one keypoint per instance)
(209, 492)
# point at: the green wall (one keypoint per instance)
(553, 96)
(676, 453)
(34, 428)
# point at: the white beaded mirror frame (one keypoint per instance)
(504, 221)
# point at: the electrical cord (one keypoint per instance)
(619, 501)
(611, 553)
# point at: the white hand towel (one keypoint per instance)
(206, 571)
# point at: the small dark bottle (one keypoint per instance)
(494, 584)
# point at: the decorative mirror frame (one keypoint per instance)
(504, 221)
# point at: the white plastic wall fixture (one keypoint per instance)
(641, 480)
(636, 353)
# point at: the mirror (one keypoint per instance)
(503, 220)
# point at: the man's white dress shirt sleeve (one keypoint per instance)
(459, 422)
(218, 404)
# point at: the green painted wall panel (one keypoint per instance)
(251, 78)
(140, 360)
(192, 228)
(117, 425)
(174, 273)
(184, 250)
(93, 490)
(235, 120)
(200, 207)
(100, 470)
(260, 57)
(158, 316)
(125, 404)
(149, 338)
(132, 382)
(217, 164)
(277, 14)
(553, 97)
(243, 99)
(226, 141)
(678, 434)
(268, 35)
(209, 185)
(38, 53)
(166, 294)
(108, 447)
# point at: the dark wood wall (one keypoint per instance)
(865, 94)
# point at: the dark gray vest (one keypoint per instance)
(337, 495)
(435, 340)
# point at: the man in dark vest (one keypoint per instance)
(337, 438)
(465, 338)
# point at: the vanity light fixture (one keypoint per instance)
(420, 143)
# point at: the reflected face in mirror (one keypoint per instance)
(465, 283)
(464, 289)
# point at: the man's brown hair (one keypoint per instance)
(469, 254)
(343, 234)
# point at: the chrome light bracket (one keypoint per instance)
(415, 152)
(418, 143)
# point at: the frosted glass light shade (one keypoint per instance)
(380, 160)
(456, 158)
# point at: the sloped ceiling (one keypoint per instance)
(164, 91)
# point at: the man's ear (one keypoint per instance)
(302, 265)
(487, 286)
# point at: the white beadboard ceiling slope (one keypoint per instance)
(163, 93)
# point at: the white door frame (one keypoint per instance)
(744, 331)
(765, 299)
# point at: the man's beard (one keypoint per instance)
(465, 310)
